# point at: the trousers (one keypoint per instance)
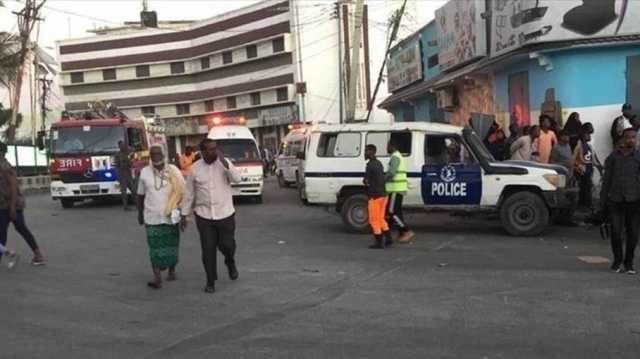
(126, 182)
(216, 235)
(376, 208)
(625, 221)
(395, 215)
(21, 227)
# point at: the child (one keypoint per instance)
(375, 182)
(12, 257)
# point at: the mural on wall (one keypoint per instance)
(405, 64)
(517, 23)
(551, 107)
(476, 96)
(461, 32)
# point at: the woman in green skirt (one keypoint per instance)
(160, 190)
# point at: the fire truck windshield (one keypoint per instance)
(239, 150)
(86, 140)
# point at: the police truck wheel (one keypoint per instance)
(524, 214)
(354, 213)
(66, 203)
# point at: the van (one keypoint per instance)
(448, 168)
(238, 145)
(289, 161)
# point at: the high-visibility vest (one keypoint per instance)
(399, 182)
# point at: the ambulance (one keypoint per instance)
(290, 159)
(237, 144)
(448, 168)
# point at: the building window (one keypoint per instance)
(231, 102)
(278, 44)
(148, 111)
(205, 63)
(282, 94)
(183, 109)
(252, 51)
(433, 61)
(255, 99)
(109, 74)
(177, 67)
(77, 77)
(227, 57)
(208, 106)
(142, 71)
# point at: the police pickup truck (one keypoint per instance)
(448, 168)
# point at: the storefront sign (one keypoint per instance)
(516, 23)
(405, 64)
(276, 116)
(461, 32)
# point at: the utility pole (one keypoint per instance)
(293, 5)
(340, 82)
(44, 97)
(27, 19)
(355, 61)
(395, 24)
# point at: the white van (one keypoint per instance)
(448, 168)
(288, 161)
(238, 144)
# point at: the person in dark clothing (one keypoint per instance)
(573, 127)
(374, 180)
(586, 160)
(562, 155)
(621, 122)
(620, 198)
(123, 169)
(12, 205)
(496, 145)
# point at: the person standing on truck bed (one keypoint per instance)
(375, 183)
(397, 185)
(123, 169)
(620, 198)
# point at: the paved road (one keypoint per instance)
(309, 290)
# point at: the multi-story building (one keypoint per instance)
(239, 64)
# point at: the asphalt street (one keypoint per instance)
(307, 289)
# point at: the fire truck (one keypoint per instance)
(83, 147)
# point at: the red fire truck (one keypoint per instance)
(82, 149)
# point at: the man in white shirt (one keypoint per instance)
(210, 197)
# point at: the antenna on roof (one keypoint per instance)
(145, 5)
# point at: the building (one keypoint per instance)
(508, 61)
(239, 64)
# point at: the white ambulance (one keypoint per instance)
(237, 144)
(288, 162)
(448, 167)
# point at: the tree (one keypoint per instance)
(5, 116)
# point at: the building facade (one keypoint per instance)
(555, 57)
(239, 64)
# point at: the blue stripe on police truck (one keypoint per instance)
(451, 184)
(350, 174)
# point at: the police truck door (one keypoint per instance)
(450, 176)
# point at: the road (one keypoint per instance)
(307, 289)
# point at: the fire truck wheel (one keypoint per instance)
(67, 203)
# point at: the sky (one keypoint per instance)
(72, 18)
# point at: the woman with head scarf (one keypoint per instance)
(160, 191)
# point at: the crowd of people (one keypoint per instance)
(571, 148)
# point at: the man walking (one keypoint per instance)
(620, 196)
(209, 196)
(396, 185)
(374, 181)
(123, 169)
(12, 205)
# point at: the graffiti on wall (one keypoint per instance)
(476, 96)
(461, 32)
(517, 23)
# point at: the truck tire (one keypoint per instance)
(354, 213)
(66, 203)
(524, 214)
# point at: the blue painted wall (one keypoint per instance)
(581, 77)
